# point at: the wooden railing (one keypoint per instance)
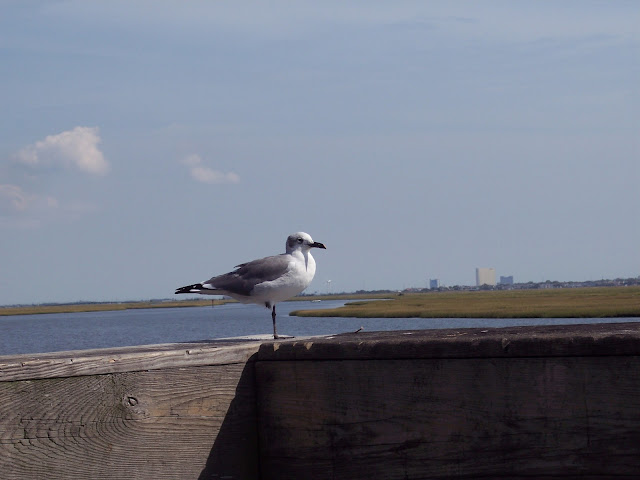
(522, 402)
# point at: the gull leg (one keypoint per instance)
(273, 317)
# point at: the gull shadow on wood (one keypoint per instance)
(234, 454)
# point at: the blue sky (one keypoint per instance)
(148, 145)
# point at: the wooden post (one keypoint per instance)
(529, 402)
(167, 411)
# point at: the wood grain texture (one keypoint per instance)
(603, 339)
(171, 423)
(522, 402)
(124, 359)
(571, 417)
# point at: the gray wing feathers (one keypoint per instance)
(247, 275)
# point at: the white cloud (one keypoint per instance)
(206, 174)
(77, 148)
(192, 160)
(13, 199)
(23, 209)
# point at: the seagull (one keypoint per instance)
(268, 280)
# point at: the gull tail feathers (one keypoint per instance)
(197, 288)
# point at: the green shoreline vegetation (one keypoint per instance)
(102, 307)
(590, 302)
(547, 303)
(111, 306)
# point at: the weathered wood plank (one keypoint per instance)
(124, 359)
(546, 341)
(524, 402)
(553, 417)
(168, 423)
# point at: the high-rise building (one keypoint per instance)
(506, 280)
(434, 283)
(485, 276)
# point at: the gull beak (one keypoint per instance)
(318, 245)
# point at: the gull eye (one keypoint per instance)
(300, 240)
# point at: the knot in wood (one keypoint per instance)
(132, 401)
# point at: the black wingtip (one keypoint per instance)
(188, 288)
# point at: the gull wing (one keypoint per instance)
(247, 275)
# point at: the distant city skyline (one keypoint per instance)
(485, 276)
(506, 279)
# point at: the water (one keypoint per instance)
(78, 331)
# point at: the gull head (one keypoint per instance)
(301, 241)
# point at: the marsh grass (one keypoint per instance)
(101, 307)
(559, 303)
